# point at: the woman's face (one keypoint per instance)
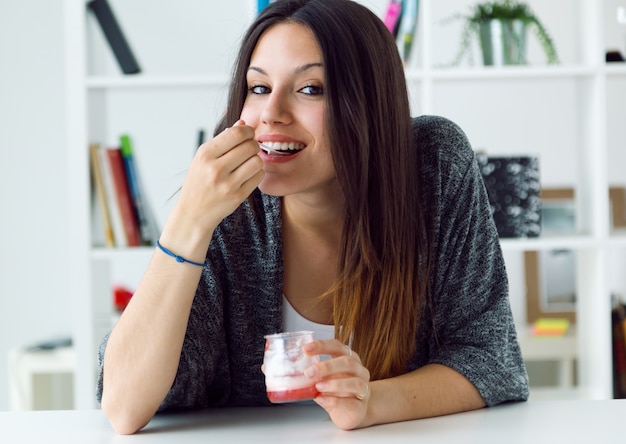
(286, 106)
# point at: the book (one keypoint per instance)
(201, 138)
(617, 196)
(392, 16)
(550, 327)
(407, 28)
(618, 324)
(123, 196)
(147, 224)
(114, 35)
(117, 224)
(101, 195)
(261, 4)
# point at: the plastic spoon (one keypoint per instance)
(273, 151)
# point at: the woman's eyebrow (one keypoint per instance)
(308, 66)
(298, 70)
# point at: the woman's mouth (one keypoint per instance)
(281, 148)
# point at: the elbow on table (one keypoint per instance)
(124, 420)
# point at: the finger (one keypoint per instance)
(242, 161)
(249, 185)
(230, 138)
(364, 394)
(239, 162)
(340, 367)
(235, 187)
(332, 347)
(342, 376)
(344, 388)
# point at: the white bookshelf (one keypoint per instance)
(102, 103)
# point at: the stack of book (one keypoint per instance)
(553, 327)
(401, 20)
(127, 220)
(400, 17)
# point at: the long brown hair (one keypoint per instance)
(383, 265)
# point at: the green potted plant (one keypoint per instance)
(501, 30)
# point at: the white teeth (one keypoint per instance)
(280, 146)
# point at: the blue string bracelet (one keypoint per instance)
(178, 258)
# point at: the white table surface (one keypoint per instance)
(532, 422)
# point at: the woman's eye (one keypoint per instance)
(259, 89)
(312, 90)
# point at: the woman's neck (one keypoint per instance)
(314, 216)
(311, 243)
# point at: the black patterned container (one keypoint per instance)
(513, 185)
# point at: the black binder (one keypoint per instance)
(115, 36)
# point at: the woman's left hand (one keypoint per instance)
(343, 383)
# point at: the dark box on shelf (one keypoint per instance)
(513, 186)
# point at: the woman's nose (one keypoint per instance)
(276, 110)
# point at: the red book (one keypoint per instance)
(618, 322)
(124, 199)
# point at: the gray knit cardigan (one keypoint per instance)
(239, 296)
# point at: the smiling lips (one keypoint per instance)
(281, 148)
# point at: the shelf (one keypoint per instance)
(471, 96)
(616, 69)
(139, 253)
(560, 349)
(505, 73)
(617, 238)
(508, 244)
(515, 73)
(412, 75)
(478, 73)
(548, 243)
(151, 81)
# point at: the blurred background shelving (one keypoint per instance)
(569, 115)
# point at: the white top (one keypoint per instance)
(533, 422)
(294, 321)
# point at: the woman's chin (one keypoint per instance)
(270, 189)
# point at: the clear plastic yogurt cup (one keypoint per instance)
(284, 365)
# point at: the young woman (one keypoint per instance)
(375, 232)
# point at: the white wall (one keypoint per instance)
(34, 304)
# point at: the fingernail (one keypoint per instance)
(321, 386)
(309, 346)
(310, 372)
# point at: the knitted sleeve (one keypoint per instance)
(237, 302)
(473, 332)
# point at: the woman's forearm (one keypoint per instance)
(432, 390)
(143, 350)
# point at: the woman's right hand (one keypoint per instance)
(222, 174)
